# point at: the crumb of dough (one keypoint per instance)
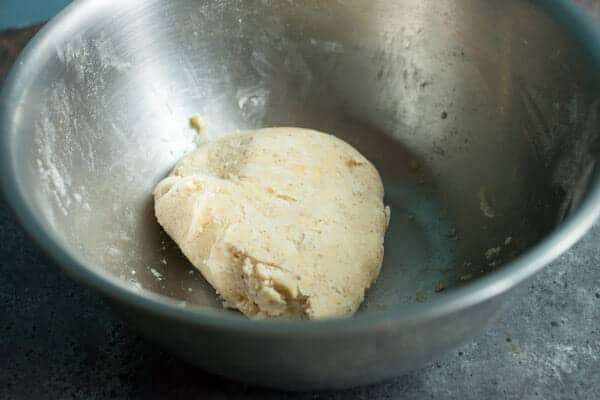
(492, 252)
(282, 222)
(156, 274)
(198, 124)
(439, 287)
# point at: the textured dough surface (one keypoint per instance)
(282, 222)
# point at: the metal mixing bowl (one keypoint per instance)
(481, 116)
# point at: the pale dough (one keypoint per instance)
(282, 222)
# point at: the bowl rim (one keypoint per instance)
(581, 26)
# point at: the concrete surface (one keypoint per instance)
(58, 340)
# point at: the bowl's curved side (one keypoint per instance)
(289, 361)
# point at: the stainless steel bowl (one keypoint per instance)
(481, 116)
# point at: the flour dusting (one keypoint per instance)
(484, 204)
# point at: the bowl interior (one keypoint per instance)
(478, 115)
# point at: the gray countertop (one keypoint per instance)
(59, 340)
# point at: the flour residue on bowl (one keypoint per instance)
(484, 204)
(51, 168)
(81, 55)
(58, 153)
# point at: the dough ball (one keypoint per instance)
(282, 222)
